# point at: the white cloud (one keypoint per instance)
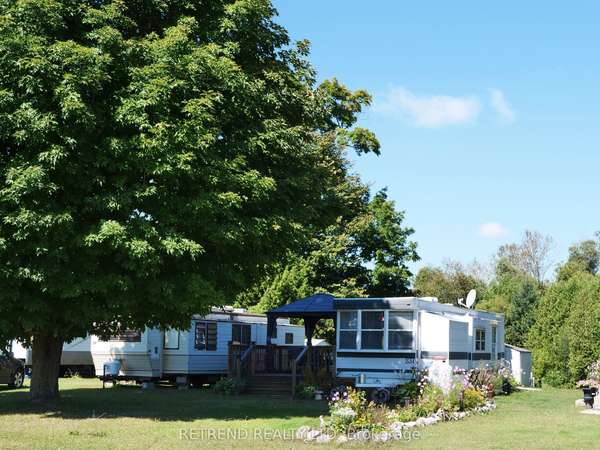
(429, 110)
(492, 230)
(501, 106)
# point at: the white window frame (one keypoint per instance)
(477, 340)
(385, 330)
(167, 344)
(382, 330)
(356, 330)
(388, 329)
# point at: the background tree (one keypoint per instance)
(448, 283)
(564, 333)
(516, 295)
(155, 157)
(584, 256)
(531, 255)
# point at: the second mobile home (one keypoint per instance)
(198, 353)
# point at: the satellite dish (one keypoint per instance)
(471, 296)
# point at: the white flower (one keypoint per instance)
(344, 413)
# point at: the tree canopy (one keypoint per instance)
(566, 331)
(155, 157)
(364, 254)
(448, 283)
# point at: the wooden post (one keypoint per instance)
(294, 378)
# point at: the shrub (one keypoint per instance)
(350, 411)
(410, 391)
(408, 413)
(306, 391)
(472, 398)
(229, 386)
(432, 399)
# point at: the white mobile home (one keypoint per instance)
(76, 357)
(201, 352)
(380, 342)
(18, 350)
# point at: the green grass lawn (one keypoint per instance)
(127, 417)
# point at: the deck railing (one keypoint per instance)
(253, 359)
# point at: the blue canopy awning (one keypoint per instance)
(318, 305)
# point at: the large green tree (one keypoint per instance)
(365, 253)
(564, 338)
(155, 156)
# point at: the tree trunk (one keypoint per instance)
(46, 354)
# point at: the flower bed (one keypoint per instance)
(442, 394)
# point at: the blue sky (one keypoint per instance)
(488, 116)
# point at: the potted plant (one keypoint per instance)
(590, 390)
(591, 385)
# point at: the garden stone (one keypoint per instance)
(341, 439)
(396, 427)
(430, 420)
(312, 435)
(362, 435)
(410, 424)
(302, 432)
(324, 438)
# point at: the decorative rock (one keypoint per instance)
(362, 435)
(341, 439)
(382, 437)
(302, 432)
(430, 420)
(324, 438)
(312, 435)
(396, 427)
(410, 424)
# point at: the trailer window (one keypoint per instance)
(289, 338)
(206, 336)
(241, 333)
(479, 340)
(348, 329)
(400, 330)
(171, 340)
(371, 336)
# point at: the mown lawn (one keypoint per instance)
(126, 417)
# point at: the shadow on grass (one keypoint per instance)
(161, 403)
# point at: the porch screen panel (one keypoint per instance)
(348, 330)
(371, 336)
(400, 330)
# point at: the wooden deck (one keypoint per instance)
(281, 363)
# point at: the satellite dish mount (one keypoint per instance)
(471, 297)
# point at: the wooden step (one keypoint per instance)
(269, 385)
